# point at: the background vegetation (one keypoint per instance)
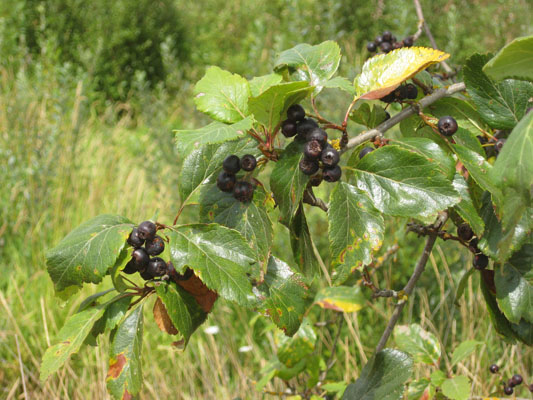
(89, 95)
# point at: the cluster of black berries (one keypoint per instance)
(447, 126)
(495, 143)
(227, 179)
(401, 93)
(516, 380)
(387, 42)
(143, 259)
(465, 233)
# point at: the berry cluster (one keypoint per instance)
(465, 233)
(515, 380)
(227, 179)
(494, 145)
(401, 93)
(143, 259)
(387, 42)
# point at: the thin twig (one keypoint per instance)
(311, 199)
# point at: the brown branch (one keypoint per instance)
(311, 199)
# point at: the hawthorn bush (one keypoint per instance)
(459, 168)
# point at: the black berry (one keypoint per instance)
(134, 240)
(330, 157)
(481, 261)
(400, 93)
(510, 383)
(146, 230)
(130, 268)
(530, 387)
(312, 150)
(498, 146)
(288, 128)
(397, 45)
(517, 379)
(378, 40)
(296, 113)
(387, 36)
(408, 41)
(248, 162)
(231, 164)
(318, 134)
(482, 139)
(412, 91)
(332, 174)
(465, 232)
(385, 47)
(155, 246)
(309, 167)
(146, 275)
(243, 191)
(306, 126)
(371, 47)
(365, 151)
(157, 267)
(225, 181)
(140, 258)
(447, 126)
(390, 98)
(508, 390)
(494, 369)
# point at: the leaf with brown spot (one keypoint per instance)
(162, 319)
(204, 296)
(116, 366)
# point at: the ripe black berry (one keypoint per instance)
(397, 45)
(296, 113)
(378, 40)
(134, 240)
(146, 275)
(400, 93)
(385, 47)
(140, 258)
(408, 41)
(231, 164)
(155, 246)
(288, 128)
(481, 261)
(510, 383)
(248, 162)
(330, 157)
(517, 379)
(146, 230)
(447, 126)
(412, 91)
(498, 146)
(371, 47)
(530, 387)
(465, 232)
(390, 98)
(312, 150)
(130, 268)
(387, 36)
(157, 267)
(243, 191)
(365, 151)
(494, 369)
(508, 390)
(332, 174)
(308, 167)
(482, 139)
(318, 134)
(225, 181)
(306, 126)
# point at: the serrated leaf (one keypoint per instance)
(183, 310)
(291, 350)
(314, 64)
(222, 95)
(219, 256)
(465, 208)
(115, 311)
(284, 296)
(355, 230)
(456, 388)
(369, 117)
(402, 183)
(216, 132)
(467, 139)
(418, 390)
(341, 298)
(70, 338)
(269, 107)
(340, 82)
(513, 61)
(500, 104)
(464, 349)
(261, 83)
(287, 182)
(302, 245)
(383, 73)
(86, 253)
(382, 378)
(423, 346)
(124, 376)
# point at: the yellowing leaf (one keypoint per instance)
(341, 298)
(384, 73)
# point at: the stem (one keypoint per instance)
(311, 199)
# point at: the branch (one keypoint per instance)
(311, 199)
(405, 113)
(408, 289)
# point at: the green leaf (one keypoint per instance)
(423, 346)
(341, 298)
(86, 253)
(287, 182)
(369, 117)
(302, 245)
(469, 140)
(355, 230)
(250, 219)
(382, 378)
(314, 64)
(513, 61)
(124, 377)
(462, 285)
(466, 208)
(269, 107)
(291, 350)
(219, 256)
(501, 104)
(339, 82)
(215, 132)
(403, 183)
(91, 301)
(417, 389)
(261, 83)
(284, 296)
(222, 95)
(115, 311)
(478, 168)
(464, 349)
(514, 286)
(456, 388)
(70, 338)
(381, 74)
(438, 377)
(183, 310)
